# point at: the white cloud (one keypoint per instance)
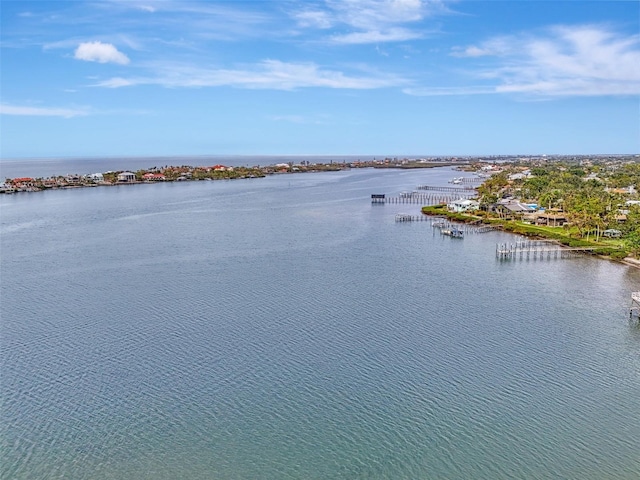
(497, 46)
(268, 74)
(471, 51)
(370, 21)
(100, 52)
(373, 14)
(585, 60)
(42, 111)
(117, 82)
(313, 18)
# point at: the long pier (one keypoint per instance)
(416, 198)
(538, 249)
(423, 199)
(466, 189)
(472, 179)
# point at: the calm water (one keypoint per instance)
(285, 328)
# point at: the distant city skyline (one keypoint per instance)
(334, 77)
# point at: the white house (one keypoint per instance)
(463, 205)
(95, 177)
(126, 177)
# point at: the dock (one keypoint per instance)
(538, 250)
(634, 311)
(405, 217)
(465, 189)
(419, 198)
(445, 225)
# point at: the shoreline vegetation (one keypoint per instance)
(589, 203)
(576, 201)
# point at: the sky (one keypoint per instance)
(318, 77)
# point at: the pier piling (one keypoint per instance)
(634, 311)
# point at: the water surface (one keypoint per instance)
(286, 328)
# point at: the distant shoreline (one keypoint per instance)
(197, 173)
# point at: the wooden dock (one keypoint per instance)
(465, 189)
(419, 198)
(538, 250)
(405, 217)
(464, 228)
(473, 179)
(443, 223)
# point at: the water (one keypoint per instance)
(286, 328)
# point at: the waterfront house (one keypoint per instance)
(463, 205)
(511, 208)
(23, 184)
(25, 181)
(551, 218)
(95, 177)
(50, 183)
(72, 179)
(6, 188)
(127, 177)
(154, 177)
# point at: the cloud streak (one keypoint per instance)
(31, 111)
(268, 74)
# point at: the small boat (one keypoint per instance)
(453, 232)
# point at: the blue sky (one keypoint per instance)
(368, 77)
